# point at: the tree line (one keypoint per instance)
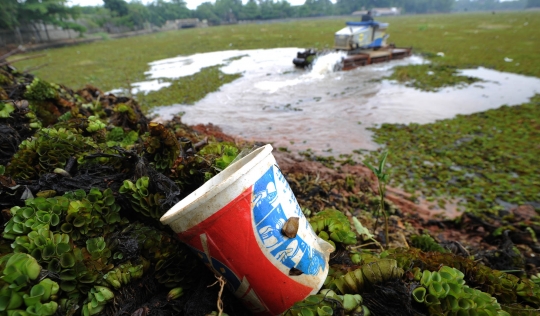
(135, 15)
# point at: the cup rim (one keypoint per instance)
(215, 185)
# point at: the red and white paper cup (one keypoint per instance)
(233, 223)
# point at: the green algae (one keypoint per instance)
(487, 159)
(187, 90)
(430, 77)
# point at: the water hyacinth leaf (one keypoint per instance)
(28, 212)
(452, 303)
(106, 292)
(36, 293)
(55, 220)
(426, 278)
(350, 302)
(87, 278)
(18, 228)
(419, 294)
(62, 248)
(18, 219)
(79, 222)
(48, 309)
(325, 311)
(26, 264)
(68, 285)
(431, 300)
(109, 200)
(48, 251)
(99, 297)
(36, 253)
(54, 265)
(68, 275)
(306, 312)
(435, 277)
(465, 303)
(50, 287)
(67, 260)
(436, 289)
(30, 223)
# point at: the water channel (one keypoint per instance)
(319, 108)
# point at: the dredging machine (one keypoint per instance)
(364, 44)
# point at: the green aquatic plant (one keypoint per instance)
(189, 89)
(162, 147)
(326, 302)
(20, 293)
(174, 264)
(430, 77)
(94, 124)
(40, 90)
(142, 200)
(220, 155)
(6, 109)
(98, 297)
(365, 277)
(445, 292)
(426, 243)
(117, 136)
(50, 148)
(484, 158)
(123, 274)
(333, 226)
(510, 291)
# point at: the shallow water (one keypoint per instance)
(322, 109)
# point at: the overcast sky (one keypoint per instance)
(191, 4)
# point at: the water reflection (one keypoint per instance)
(322, 109)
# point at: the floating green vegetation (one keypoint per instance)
(430, 77)
(486, 158)
(187, 90)
(467, 40)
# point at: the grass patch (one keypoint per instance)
(430, 77)
(487, 158)
(187, 90)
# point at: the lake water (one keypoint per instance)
(319, 108)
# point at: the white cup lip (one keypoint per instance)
(215, 185)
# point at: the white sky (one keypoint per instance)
(191, 4)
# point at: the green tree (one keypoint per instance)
(250, 11)
(206, 11)
(52, 12)
(161, 11)
(119, 7)
(8, 14)
(228, 10)
(138, 14)
(349, 6)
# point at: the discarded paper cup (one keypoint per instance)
(234, 223)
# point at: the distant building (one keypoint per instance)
(379, 12)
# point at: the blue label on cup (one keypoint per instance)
(273, 203)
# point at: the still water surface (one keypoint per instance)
(322, 109)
